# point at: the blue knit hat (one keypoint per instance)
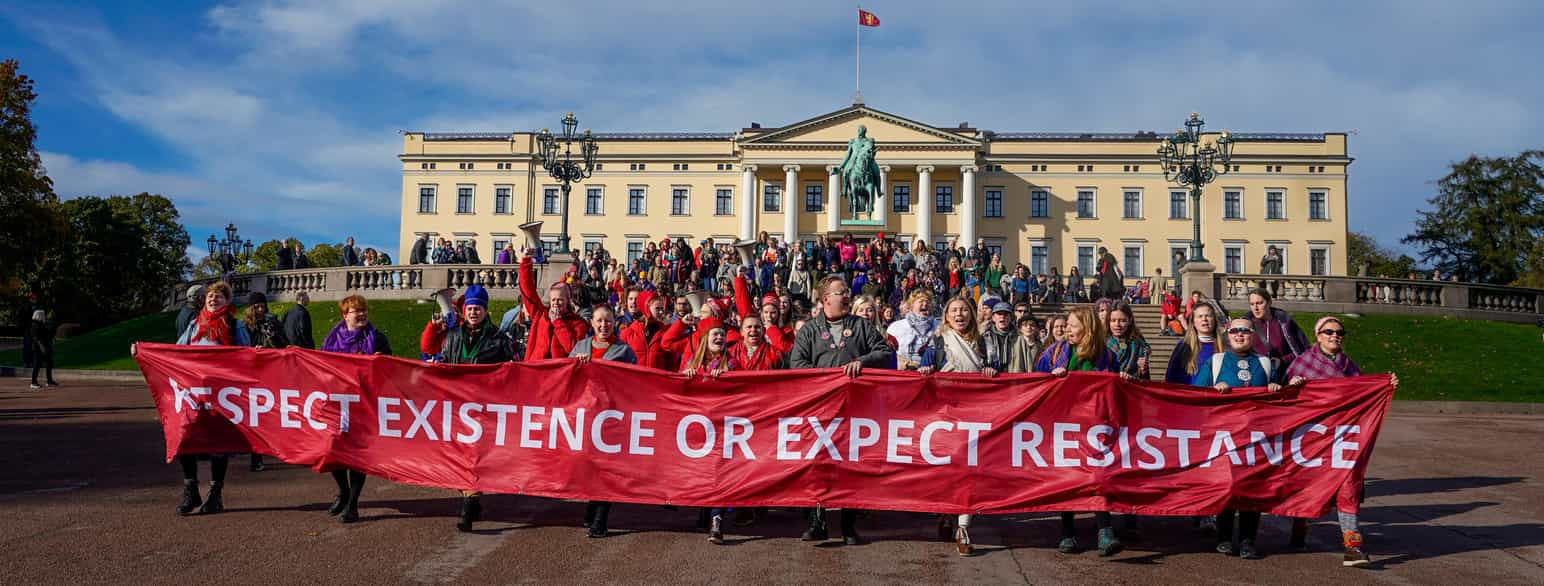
(475, 295)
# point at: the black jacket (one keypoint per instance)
(286, 259)
(297, 327)
(420, 253)
(492, 346)
(350, 256)
(812, 345)
(472, 257)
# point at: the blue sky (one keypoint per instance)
(283, 116)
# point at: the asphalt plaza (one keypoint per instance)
(88, 498)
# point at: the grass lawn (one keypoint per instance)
(1436, 358)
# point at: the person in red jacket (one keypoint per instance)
(779, 337)
(555, 328)
(432, 339)
(646, 335)
(755, 351)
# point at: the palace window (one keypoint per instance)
(1085, 260)
(1232, 205)
(901, 199)
(1178, 206)
(680, 203)
(994, 203)
(1038, 255)
(723, 202)
(1039, 204)
(1319, 261)
(1132, 258)
(594, 201)
(426, 199)
(1317, 206)
(1086, 203)
(501, 200)
(1275, 205)
(464, 199)
(1233, 259)
(549, 200)
(771, 198)
(814, 197)
(634, 252)
(1131, 205)
(943, 199)
(635, 202)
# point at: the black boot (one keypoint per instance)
(589, 513)
(817, 528)
(257, 463)
(850, 528)
(213, 504)
(338, 504)
(471, 511)
(703, 518)
(190, 499)
(598, 524)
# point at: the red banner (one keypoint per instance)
(885, 440)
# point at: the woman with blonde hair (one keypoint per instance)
(913, 334)
(1084, 349)
(1197, 348)
(957, 348)
(867, 307)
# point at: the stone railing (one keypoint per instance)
(377, 282)
(1376, 295)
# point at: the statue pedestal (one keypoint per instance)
(1197, 276)
(547, 274)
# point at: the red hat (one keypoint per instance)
(709, 323)
(719, 307)
(770, 298)
(644, 298)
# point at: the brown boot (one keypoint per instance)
(1355, 557)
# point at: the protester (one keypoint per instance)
(913, 335)
(835, 338)
(555, 328)
(1276, 335)
(999, 336)
(215, 325)
(190, 308)
(1240, 366)
(1026, 347)
(1327, 360)
(1083, 349)
(1197, 348)
(297, 323)
(603, 344)
(266, 332)
(957, 348)
(354, 334)
(1131, 349)
(1111, 281)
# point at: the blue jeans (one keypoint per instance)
(710, 284)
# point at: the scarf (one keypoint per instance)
(346, 341)
(215, 326)
(960, 355)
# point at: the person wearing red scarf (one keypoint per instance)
(779, 337)
(555, 328)
(215, 325)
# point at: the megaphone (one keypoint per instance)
(697, 299)
(445, 299)
(747, 249)
(532, 231)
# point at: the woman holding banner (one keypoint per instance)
(1325, 360)
(215, 325)
(1197, 349)
(957, 348)
(712, 358)
(353, 335)
(476, 340)
(1083, 349)
(604, 344)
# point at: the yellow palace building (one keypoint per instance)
(1044, 199)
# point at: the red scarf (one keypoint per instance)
(215, 327)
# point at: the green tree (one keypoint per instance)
(326, 255)
(1534, 275)
(1488, 216)
(118, 259)
(31, 227)
(1362, 250)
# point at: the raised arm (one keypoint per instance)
(529, 296)
(742, 298)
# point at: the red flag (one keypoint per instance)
(867, 18)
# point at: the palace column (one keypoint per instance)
(968, 206)
(924, 204)
(747, 202)
(790, 211)
(833, 199)
(881, 204)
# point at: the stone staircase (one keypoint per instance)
(1149, 320)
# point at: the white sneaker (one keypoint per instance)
(36, 386)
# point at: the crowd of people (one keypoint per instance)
(702, 312)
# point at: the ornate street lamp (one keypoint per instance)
(1192, 163)
(563, 167)
(228, 251)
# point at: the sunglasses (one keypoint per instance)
(1240, 331)
(1330, 332)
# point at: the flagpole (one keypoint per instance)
(857, 78)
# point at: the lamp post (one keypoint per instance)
(229, 250)
(1192, 163)
(563, 167)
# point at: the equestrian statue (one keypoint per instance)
(860, 176)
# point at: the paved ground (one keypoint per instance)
(85, 497)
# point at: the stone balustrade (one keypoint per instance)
(1294, 292)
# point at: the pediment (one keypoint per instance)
(840, 126)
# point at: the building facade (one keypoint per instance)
(1042, 199)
